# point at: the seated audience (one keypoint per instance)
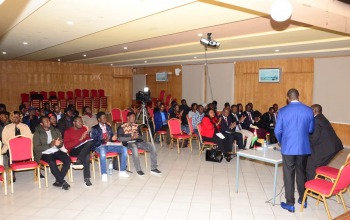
(268, 122)
(171, 109)
(185, 110)
(129, 133)
(239, 129)
(211, 126)
(228, 130)
(23, 111)
(161, 122)
(74, 111)
(214, 106)
(240, 110)
(11, 130)
(193, 110)
(53, 120)
(102, 134)
(196, 119)
(4, 120)
(65, 122)
(57, 111)
(47, 145)
(2, 107)
(89, 119)
(251, 106)
(32, 114)
(35, 121)
(275, 106)
(261, 132)
(156, 109)
(78, 144)
(249, 117)
(47, 108)
(176, 113)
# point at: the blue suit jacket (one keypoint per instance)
(158, 122)
(294, 123)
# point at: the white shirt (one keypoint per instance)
(103, 127)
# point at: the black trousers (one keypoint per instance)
(271, 130)
(222, 143)
(313, 164)
(51, 160)
(83, 154)
(166, 128)
(290, 164)
(234, 136)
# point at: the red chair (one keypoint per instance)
(62, 100)
(74, 159)
(54, 102)
(52, 93)
(86, 93)
(151, 112)
(44, 95)
(168, 100)
(101, 93)
(205, 143)
(325, 189)
(77, 93)
(116, 117)
(79, 105)
(161, 95)
(161, 134)
(103, 102)
(139, 152)
(167, 109)
(94, 93)
(45, 99)
(33, 92)
(176, 134)
(21, 149)
(70, 95)
(25, 100)
(88, 101)
(124, 114)
(46, 165)
(193, 136)
(61, 95)
(36, 103)
(3, 172)
(108, 156)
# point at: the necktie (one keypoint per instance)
(226, 120)
(250, 116)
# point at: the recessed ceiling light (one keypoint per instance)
(145, 61)
(125, 48)
(277, 50)
(4, 52)
(195, 57)
(58, 60)
(84, 55)
(200, 35)
(111, 64)
(25, 43)
(70, 22)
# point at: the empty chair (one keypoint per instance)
(25, 100)
(61, 95)
(151, 112)
(101, 93)
(103, 103)
(94, 93)
(52, 93)
(86, 93)
(36, 103)
(44, 95)
(161, 95)
(116, 117)
(77, 93)
(33, 92)
(70, 95)
(88, 101)
(62, 100)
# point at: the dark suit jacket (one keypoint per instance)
(266, 120)
(324, 141)
(97, 135)
(246, 124)
(225, 127)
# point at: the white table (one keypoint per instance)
(270, 156)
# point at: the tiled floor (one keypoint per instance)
(189, 188)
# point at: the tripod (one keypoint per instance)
(144, 118)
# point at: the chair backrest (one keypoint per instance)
(70, 95)
(167, 109)
(347, 158)
(86, 93)
(79, 104)
(167, 100)
(25, 97)
(199, 128)
(161, 95)
(174, 126)
(77, 93)
(93, 93)
(189, 123)
(101, 93)
(33, 92)
(343, 179)
(44, 94)
(116, 114)
(153, 122)
(124, 113)
(21, 148)
(52, 93)
(151, 111)
(61, 95)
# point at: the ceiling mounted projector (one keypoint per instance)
(209, 42)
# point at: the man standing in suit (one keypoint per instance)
(268, 122)
(239, 129)
(295, 122)
(227, 129)
(324, 142)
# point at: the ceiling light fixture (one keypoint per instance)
(145, 61)
(281, 10)
(111, 64)
(200, 35)
(277, 50)
(84, 55)
(58, 60)
(195, 57)
(25, 43)
(125, 48)
(70, 22)
(4, 52)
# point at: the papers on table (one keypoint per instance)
(84, 143)
(114, 143)
(51, 150)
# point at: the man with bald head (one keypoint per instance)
(324, 142)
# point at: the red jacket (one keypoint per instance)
(208, 127)
(71, 137)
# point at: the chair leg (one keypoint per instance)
(200, 152)
(342, 200)
(318, 200)
(146, 159)
(93, 168)
(99, 165)
(118, 163)
(68, 173)
(11, 179)
(171, 143)
(178, 146)
(128, 159)
(39, 176)
(46, 182)
(71, 173)
(336, 196)
(304, 198)
(182, 144)
(191, 144)
(326, 206)
(5, 181)
(349, 190)
(49, 170)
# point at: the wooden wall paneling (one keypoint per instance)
(343, 131)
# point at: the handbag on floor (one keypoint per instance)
(213, 155)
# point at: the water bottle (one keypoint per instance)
(110, 167)
(265, 146)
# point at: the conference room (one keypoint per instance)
(186, 109)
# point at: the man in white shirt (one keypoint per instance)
(239, 122)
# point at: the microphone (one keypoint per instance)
(277, 149)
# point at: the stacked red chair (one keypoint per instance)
(95, 99)
(33, 92)
(45, 98)
(25, 100)
(87, 98)
(79, 103)
(52, 93)
(70, 97)
(77, 93)
(62, 100)
(103, 99)
(36, 103)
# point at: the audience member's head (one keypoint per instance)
(161, 107)
(4, 118)
(234, 109)
(275, 106)
(42, 112)
(317, 109)
(183, 102)
(176, 108)
(101, 117)
(293, 95)
(23, 109)
(158, 103)
(248, 108)
(53, 119)
(173, 103)
(251, 105)
(240, 107)
(32, 110)
(130, 117)
(227, 105)
(194, 106)
(56, 108)
(47, 107)
(226, 112)
(71, 107)
(210, 114)
(15, 117)
(87, 111)
(200, 109)
(2, 107)
(45, 122)
(215, 103)
(211, 105)
(271, 111)
(257, 114)
(77, 122)
(68, 112)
